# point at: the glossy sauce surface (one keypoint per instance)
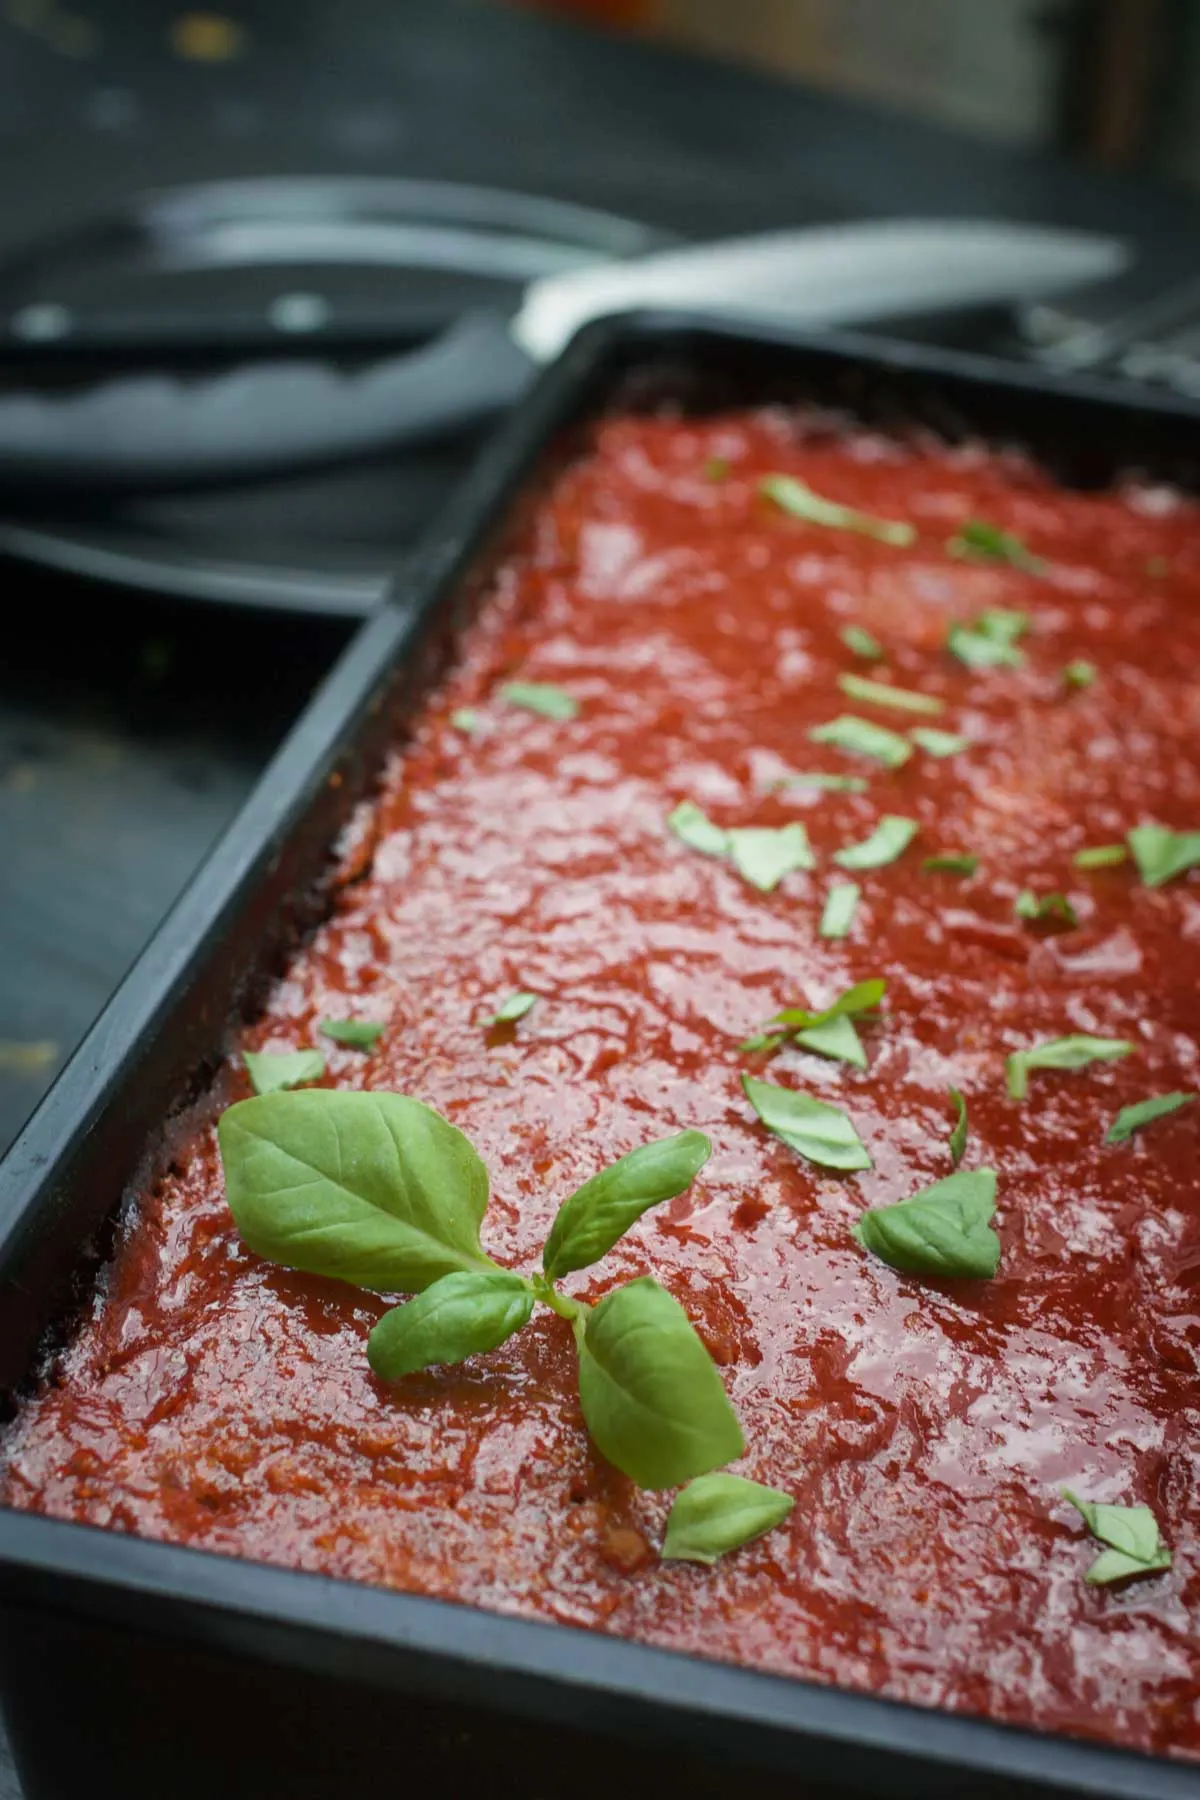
(925, 1428)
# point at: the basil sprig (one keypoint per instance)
(761, 854)
(382, 1192)
(1074, 1052)
(1160, 854)
(881, 693)
(798, 499)
(890, 839)
(943, 1230)
(541, 697)
(271, 1071)
(1144, 1112)
(860, 738)
(1132, 1534)
(819, 1132)
(718, 1513)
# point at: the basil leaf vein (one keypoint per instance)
(271, 1071)
(718, 1513)
(1073, 1052)
(890, 839)
(942, 1230)
(821, 1133)
(651, 1395)
(1144, 1112)
(798, 499)
(860, 738)
(591, 1220)
(459, 1316)
(881, 693)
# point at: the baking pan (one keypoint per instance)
(164, 1673)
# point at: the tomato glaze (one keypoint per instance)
(925, 1428)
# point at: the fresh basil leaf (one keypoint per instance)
(1079, 674)
(540, 697)
(943, 1230)
(834, 784)
(950, 863)
(716, 468)
(797, 499)
(841, 904)
(861, 643)
(651, 1396)
(271, 1071)
(880, 693)
(763, 1040)
(1135, 1544)
(938, 743)
(467, 719)
(718, 1513)
(1029, 905)
(863, 997)
(1074, 1052)
(590, 1221)
(890, 839)
(990, 641)
(1143, 1112)
(1100, 856)
(836, 1039)
(860, 738)
(456, 1317)
(821, 1133)
(1160, 854)
(958, 1137)
(979, 541)
(512, 1009)
(359, 1034)
(369, 1188)
(763, 855)
(695, 829)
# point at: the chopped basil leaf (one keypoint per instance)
(836, 1039)
(1100, 856)
(271, 1071)
(763, 1040)
(360, 1034)
(695, 829)
(1074, 1052)
(799, 500)
(512, 1009)
(718, 1513)
(861, 738)
(938, 743)
(990, 642)
(763, 855)
(977, 540)
(1029, 905)
(540, 697)
(1132, 1118)
(958, 1137)
(466, 718)
(1161, 854)
(950, 863)
(1132, 1533)
(716, 468)
(591, 1220)
(863, 997)
(880, 693)
(835, 784)
(1079, 674)
(943, 1230)
(841, 904)
(461, 1315)
(821, 1133)
(890, 839)
(862, 643)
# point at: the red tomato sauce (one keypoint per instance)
(924, 1427)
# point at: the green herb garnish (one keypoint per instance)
(978, 541)
(880, 693)
(890, 839)
(990, 642)
(861, 643)
(1157, 567)
(1074, 1052)
(1040, 907)
(834, 784)
(359, 1034)
(467, 719)
(271, 1071)
(861, 738)
(1160, 854)
(379, 1191)
(718, 1513)
(540, 697)
(797, 499)
(1100, 856)
(841, 904)
(763, 855)
(1143, 1112)
(512, 1009)
(950, 862)
(828, 1031)
(1131, 1532)
(938, 743)
(716, 468)
(958, 1137)
(695, 829)
(943, 1230)
(821, 1133)
(1079, 674)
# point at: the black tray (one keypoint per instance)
(162, 1673)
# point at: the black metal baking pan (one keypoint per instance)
(163, 1673)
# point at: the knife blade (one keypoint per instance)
(154, 431)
